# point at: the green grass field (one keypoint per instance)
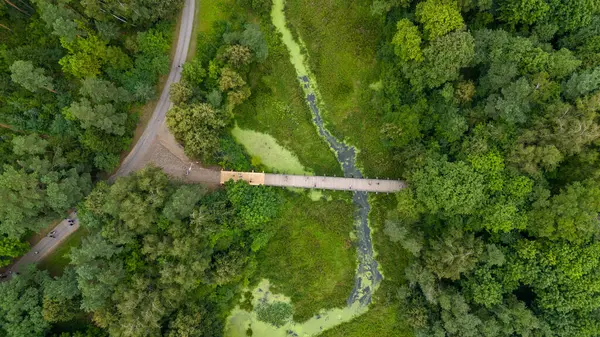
(206, 14)
(56, 262)
(341, 40)
(377, 322)
(311, 259)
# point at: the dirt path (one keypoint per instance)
(158, 117)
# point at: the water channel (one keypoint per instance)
(367, 276)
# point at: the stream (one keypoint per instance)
(367, 276)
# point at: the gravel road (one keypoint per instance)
(158, 117)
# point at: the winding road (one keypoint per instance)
(139, 152)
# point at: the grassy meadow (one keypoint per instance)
(341, 39)
(312, 258)
(383, 318)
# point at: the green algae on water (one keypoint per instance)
(240, 320)
(296, 56)
(270, 153)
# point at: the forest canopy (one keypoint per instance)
(72, 76)
(161, 258)
(491, 109)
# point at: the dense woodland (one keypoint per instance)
(72, 76)
(492, 109)
(161, 259)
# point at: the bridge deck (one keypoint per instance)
(316, 182)
(253, 178)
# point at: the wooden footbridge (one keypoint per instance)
(315, 182)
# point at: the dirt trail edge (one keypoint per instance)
(158, 116)
(139, 153)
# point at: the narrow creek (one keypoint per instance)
(367, 276)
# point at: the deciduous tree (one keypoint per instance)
(198, 126)
(407, 41)
(438, 18)
(29, 77)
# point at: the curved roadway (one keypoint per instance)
(63, 229)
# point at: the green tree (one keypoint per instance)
(88, 55)
(61, 19)
(102, 116)
(199, 127)
(562, 63)
(438, 18)
(523, 11)
(255, 205)
(29, 77)
(195, 320)
(11, 248)
(407, 41)
(380, 7)
(21, 305)
(572, 14)
(237, 55)
(443, 60)
(158, 250)
(179, 93)
(61, 298)
(251, 37)
(402, 126)
(569, 215)
(99, 106)
(182, 202)
(40, 187)
(138, 12)
(193, 72)
(452, 188)
(582, 83)
(102, 91)
(514, 105)
(453, 254)
(230, 79)
(22, 201)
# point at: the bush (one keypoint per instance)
(255, 205)
(232, 155)
(277, 313)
